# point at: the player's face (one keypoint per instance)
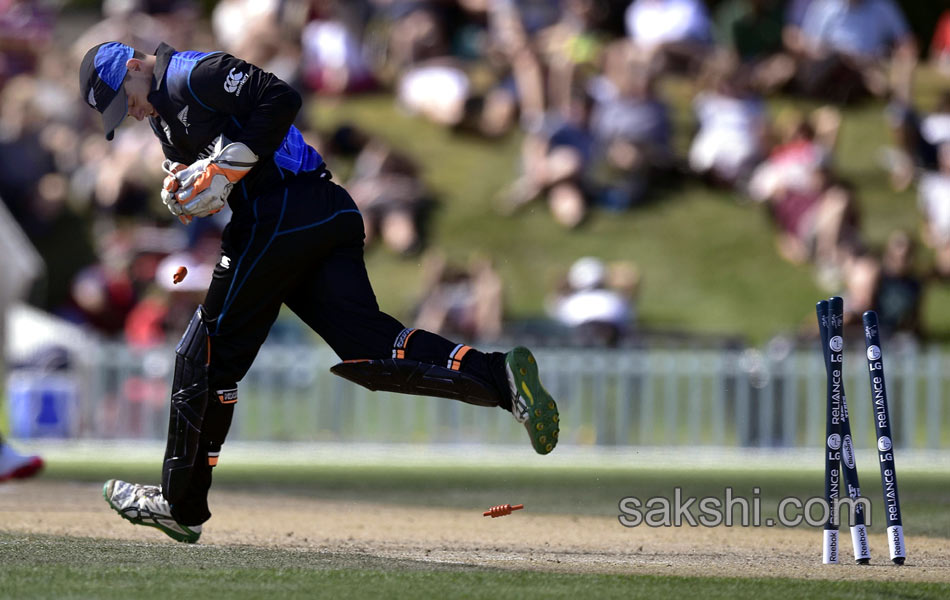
(137, 86)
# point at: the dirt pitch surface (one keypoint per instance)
(563, 543)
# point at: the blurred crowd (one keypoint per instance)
(583, 81)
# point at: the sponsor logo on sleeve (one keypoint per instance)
(235, 82)
(92, 98)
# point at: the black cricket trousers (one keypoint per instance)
(299, 244)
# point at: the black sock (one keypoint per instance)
(426, 346)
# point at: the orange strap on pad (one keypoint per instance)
(402, 342)
(456, 356)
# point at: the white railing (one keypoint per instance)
(606, 398)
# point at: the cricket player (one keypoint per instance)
(295, 238)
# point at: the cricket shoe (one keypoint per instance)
(14, 465)
(531, 404)
(145, 505)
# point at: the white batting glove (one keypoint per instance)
(206, 184)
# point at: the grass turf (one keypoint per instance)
(53, 567)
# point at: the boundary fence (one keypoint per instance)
(616, 398)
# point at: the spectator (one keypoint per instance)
(386, 186)
(819, 223)
(511, 42)
(265, 33)
(674, 34)
(732, 125)
(461, 301)
(891, 287)
(26, 30)
(794, 211)
(795, 11)
(437, 90)
(23, 155)
(437, 85)
(862, 273)
(632, 130)
(571, 50)
(899, 294)
(917, 140)
(628, 105)
(934, 201)
(940, 44)
(416, 34)
(859, 28)
(546, 50)
(806, 147)
(555, 160)
(536, 15)
(837, 233)
(844, 44)
(333, 61)
(146, 324)
(752, 29)
(597, 314)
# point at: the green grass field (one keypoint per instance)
(97, 565)
(44, 567)
(708, 262)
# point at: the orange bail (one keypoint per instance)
(501, 510)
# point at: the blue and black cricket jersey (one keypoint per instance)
(201, 95)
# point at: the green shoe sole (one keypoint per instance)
(542, 416)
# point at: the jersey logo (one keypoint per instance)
(183, 117)
(235, 82)
(92, 98)
(225, 262)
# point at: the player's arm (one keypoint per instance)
(261, 104)
(264, 104)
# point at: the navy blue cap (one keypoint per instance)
(100, 79)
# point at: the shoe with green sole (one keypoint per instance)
(531, 404)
